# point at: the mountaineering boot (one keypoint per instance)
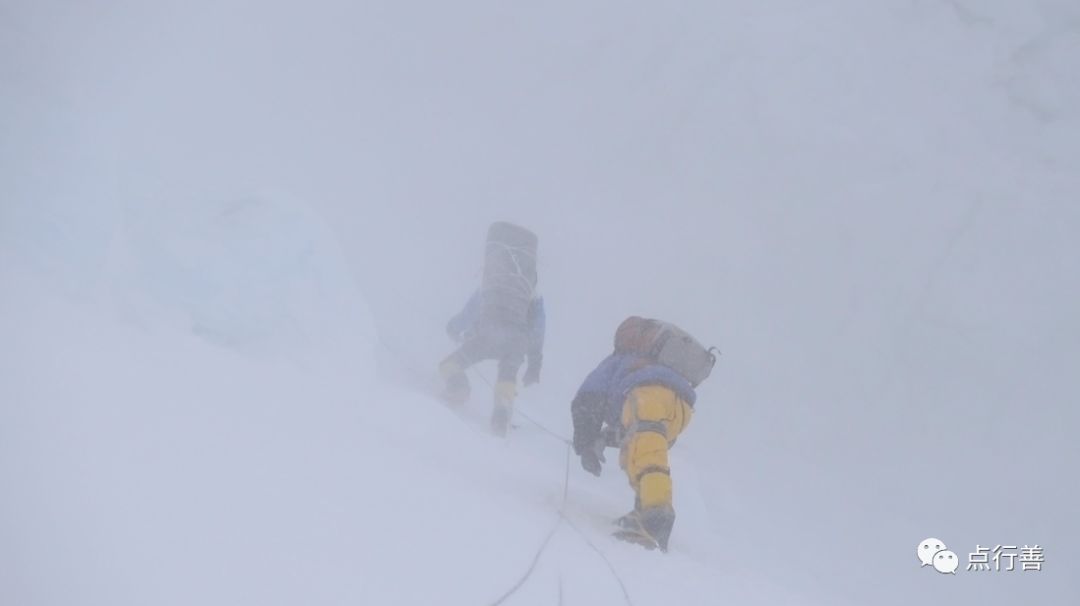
(631, 530)
(658, 522)
(630, 521)
(649, 528)
(456, 389)
(505, 391)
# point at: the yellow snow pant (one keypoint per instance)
(653, 417)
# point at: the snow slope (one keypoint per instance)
(157, 451)
(869, 206)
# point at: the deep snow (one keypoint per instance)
(162, 451)
(231, 232)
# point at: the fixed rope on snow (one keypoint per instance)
(610, 566)
(543, 546)
(532, 566)
(562, 518)
(525, 416)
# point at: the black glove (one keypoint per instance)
(587, 411)
(532, 375)
(592, 458)
(612, 436)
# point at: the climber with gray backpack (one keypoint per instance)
(503, 321)
(639, 399)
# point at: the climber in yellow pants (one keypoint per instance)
(641, 398)
(653, 416)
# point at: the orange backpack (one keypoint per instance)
(668, 345)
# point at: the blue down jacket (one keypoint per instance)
(466, 321)
(600, 398)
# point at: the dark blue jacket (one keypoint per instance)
(601, 397)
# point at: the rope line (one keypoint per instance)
(610, 566)
(512, 252)
(581, 534)
(563, 518)
(547, 539)
(532, 566)
(517, 410)
(541, 427)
